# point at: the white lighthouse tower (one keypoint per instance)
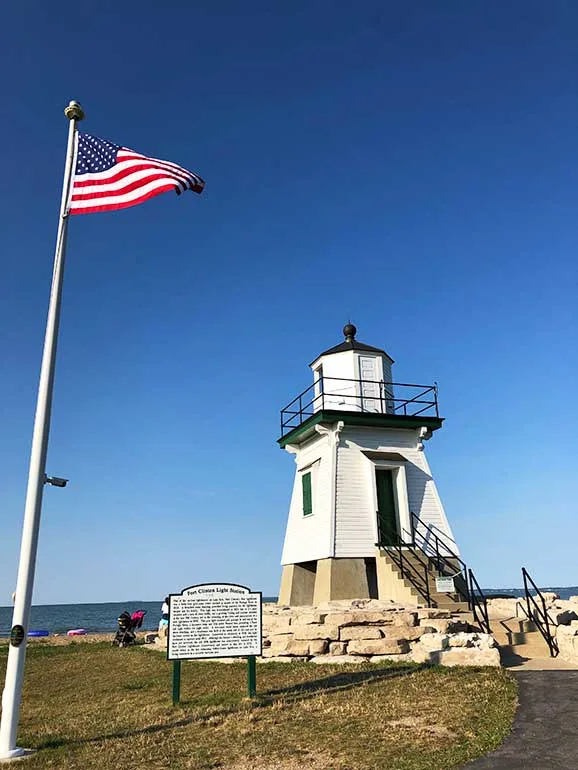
(365, 519)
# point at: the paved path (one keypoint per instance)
(545, 734)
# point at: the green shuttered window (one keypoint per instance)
(307, 499)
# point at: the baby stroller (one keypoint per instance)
(127, 627)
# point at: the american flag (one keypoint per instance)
(109, 177)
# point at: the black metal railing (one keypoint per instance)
(370, 396)
(539, 614)
(417, 574)
(479, 604)
(446, 560)
(432, 549)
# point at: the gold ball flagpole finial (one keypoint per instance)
(74, 111)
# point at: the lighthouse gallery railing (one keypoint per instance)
(370, 396)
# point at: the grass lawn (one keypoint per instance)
(92, 706)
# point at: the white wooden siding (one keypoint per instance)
(307, 538)
(350, 365)
(355, 525)
(339, 394)
(355, 533)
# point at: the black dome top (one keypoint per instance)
(349, 331)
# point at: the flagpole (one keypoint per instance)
(12, 694)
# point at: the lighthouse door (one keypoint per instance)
(386, 514)
(370, 390)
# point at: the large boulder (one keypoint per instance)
(410, 633)
(481, 641)
(570, 630)
(316, 631)
(444, 625)
(504, 608)
(359, 617)
(377, 646)
(405, 619)
(276, 624)
(550, 596)
(430, 642)
(309, 616)
(291, 647)
(467, 656)
(567, 640)
(560, 616)
(318, 646)
(359, 632)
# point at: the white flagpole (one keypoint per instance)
(12, 694)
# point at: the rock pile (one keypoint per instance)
(567, 639)
(560, 611)
(562, 617)
(372, 630)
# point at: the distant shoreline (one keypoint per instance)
(137, 602)
(128, 603)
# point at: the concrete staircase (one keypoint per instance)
(415, 563)
(519, 638)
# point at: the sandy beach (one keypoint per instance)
(61, 639)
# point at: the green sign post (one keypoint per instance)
(252, 676)
(176, 682)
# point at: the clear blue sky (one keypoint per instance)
(409, 165)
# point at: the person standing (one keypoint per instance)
(164, 621)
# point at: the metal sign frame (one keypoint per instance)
(251, 657)
(247, 591)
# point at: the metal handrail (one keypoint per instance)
(479, 604)
(447, 560)
(440, 536)
(296, 412)
(542, 622)
(406, 567)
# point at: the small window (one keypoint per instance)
(307, 499)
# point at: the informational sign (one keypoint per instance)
(214, 620)
(445, 585)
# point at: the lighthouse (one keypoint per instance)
(365, 518)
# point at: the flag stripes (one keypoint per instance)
(110, 177)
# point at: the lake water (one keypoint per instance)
(95, 618)
(101, 618)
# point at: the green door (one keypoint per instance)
(386, 516)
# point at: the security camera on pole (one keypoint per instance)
(98, 176)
